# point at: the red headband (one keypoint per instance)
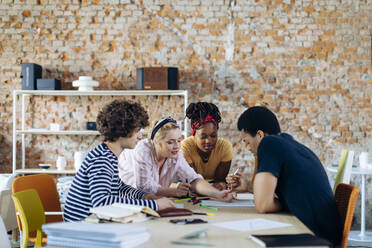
(197, 124)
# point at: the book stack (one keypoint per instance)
(89, 235)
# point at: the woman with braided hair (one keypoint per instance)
(209, 155)
(157, 161)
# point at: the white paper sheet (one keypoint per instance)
(244, 196)
(251, 225)
(234, 203)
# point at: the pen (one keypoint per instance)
(257, 241)
(208, 214)
(188, 192)
(236, 172)
(205, 206)
(181, 242)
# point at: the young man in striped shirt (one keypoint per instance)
(97, 182)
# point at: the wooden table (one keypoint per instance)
(163, 232)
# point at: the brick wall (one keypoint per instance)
(309, 61)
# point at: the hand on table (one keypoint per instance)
(224, 195)
(182, 189)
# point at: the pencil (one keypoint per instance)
(234, 174)
(182, 200)
(188, 192)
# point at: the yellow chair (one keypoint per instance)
(46, 188)
(31, 214)
(346, 198)
(341, 169)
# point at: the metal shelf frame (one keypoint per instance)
(41, 171)
(30, 93)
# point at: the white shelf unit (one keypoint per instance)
(41, 171)
(22, 132)
(49, 132)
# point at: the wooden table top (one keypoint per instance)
(163, 232)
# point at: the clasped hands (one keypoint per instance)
(238, 183)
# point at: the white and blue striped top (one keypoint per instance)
(97, 183)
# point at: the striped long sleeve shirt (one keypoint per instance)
(97, 183)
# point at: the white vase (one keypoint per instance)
(61, 163)
(363, 160)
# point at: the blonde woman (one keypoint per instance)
(156, 162)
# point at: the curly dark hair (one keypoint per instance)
(197, 112)
(120, 118)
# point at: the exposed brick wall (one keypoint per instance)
(310, 61)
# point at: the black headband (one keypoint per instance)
(160, 124)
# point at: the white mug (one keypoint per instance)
(55, 127)
(61, 163)
(78, 159)
(363, 160)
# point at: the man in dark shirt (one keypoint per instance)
(289, 175)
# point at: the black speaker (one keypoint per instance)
(157, 78)
(30, 73)
(48, 84)
(91, 125)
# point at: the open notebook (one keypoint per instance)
(124, 213)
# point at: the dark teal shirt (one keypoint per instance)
(303, 187)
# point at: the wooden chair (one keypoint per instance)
(31, 214)
(46, 188)
(346, 196)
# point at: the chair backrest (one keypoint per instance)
(4, 239)
(346, 196)
(46, 188)
(31, 213)
(341, 169)
(255, 168)
(7, 210)
(348, 167)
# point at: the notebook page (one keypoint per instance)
(251, 225)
